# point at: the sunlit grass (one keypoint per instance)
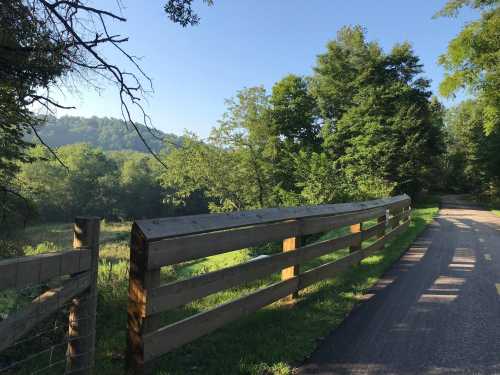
(270, 341)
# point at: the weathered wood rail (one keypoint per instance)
(161, 242)
(79, 289)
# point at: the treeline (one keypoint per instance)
(89, 181)
(472, 162)
(105, 133)
(363, 125)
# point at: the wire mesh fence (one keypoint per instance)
(49, 327)
(45, 349)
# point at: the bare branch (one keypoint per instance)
(40, 99)
(78, 5)
(48, 148)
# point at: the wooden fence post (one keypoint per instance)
(141, 281)
(291, 244)
(356, 228)
(382, 219)
(394, 222)
(82, 312)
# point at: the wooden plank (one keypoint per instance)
(291, 244)
(33, 270)
(373, 230)
(141, 282)
(397, 217)
(179, 293)
(406, 214)
(397, 231)
(156, 229)
(326, 223)
(356, 228)
(380, 243)
(382, 220)
(21, 323)
(376, 246)
(329, 270)
(83, 309)
(177, 334)
(181, 249)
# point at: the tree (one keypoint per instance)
(294, 112)
(338, 72)
(199, 167)
(472, 60)
(377, 110)
(235, 167)
(321, 180)
(363, 126)
(47, 44)
(86, 187)
(25, 63)
(105, 133)
(181, 12)
(472, 159)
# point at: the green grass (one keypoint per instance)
(496, 212)
(270, 341)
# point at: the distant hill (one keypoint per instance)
(106, 133)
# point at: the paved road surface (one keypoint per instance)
(437, 311)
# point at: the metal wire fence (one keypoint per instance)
(49, 327)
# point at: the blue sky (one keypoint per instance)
(243, 43)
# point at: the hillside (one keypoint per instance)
(106, 133)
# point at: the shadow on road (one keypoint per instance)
(437, 311)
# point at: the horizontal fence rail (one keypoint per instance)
(161, 242)
(75, 271)
(21, 272)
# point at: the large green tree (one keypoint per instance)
(472, 159)
(294, 114)
(83, 187)
(295, 124)
(237, 165)
(377, 111)
(472, 61)
(363, 126)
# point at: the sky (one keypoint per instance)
(245, 43)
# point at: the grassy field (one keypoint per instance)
(270, 341)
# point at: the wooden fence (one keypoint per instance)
(168, 241)
(76, 269)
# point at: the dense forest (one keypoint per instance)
(105, 133)
(363, 124)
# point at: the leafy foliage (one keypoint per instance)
(105, 133)
(472, 60)
(29, 58)
(362, 126)
(181, 12)
(116, 185)
(378, 116)
(472, 161)
(452, 7)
